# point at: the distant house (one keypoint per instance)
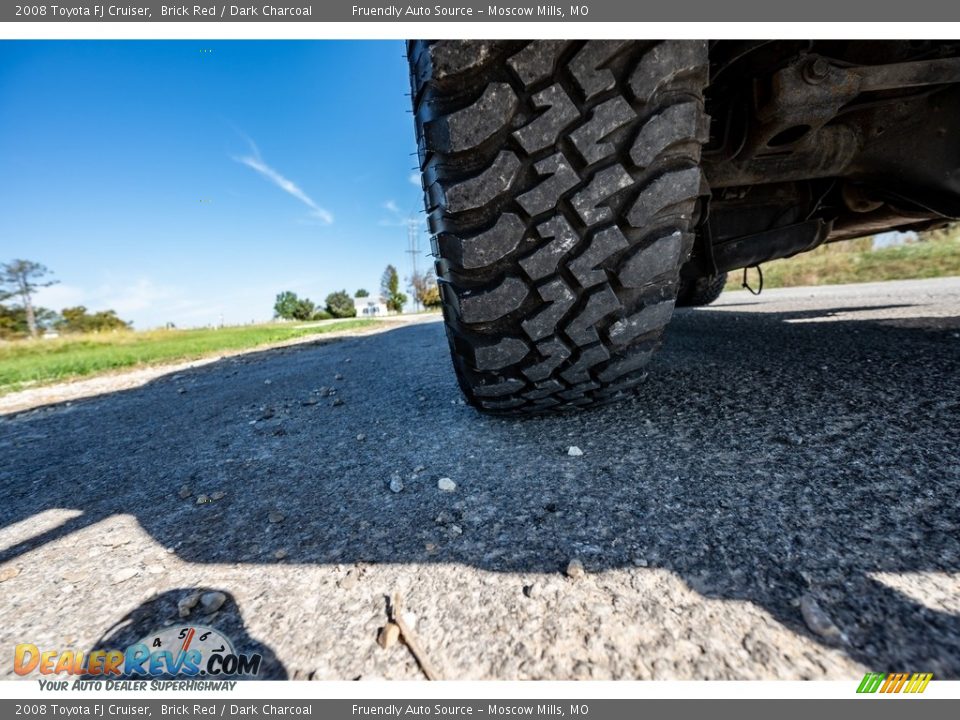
(369, 306)
(893, 238)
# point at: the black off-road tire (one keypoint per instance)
(696, 292)
(561, 182)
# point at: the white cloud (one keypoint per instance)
(415, 179)
(324, 216)
(255, 162)
(398, 217)
(142, 300)
(141, 295)
(150, 304)
(57, 297)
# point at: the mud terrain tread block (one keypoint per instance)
(490, 245)
(546, 403)
(478, 191)
(619, 368)
(506, 352)
(544, 389)
(454, 59)
(558, 176)
(545, 129)
(665, 62)
(675, 125)
(588, 66)
(675, 191)
(650, 263)
(560, 298)
(604, 244)
(581, 329)
(590, 202)
(502, 405)
(565, 214)
(576, 394)
(476, 123)
(504, 387)
(544, 261)
(536, 61)
(651, 318)
(589, 139)
(486, 306)
(555, 353)
(578, 372)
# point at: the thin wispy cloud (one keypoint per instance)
(143, 300)
(414, 179)
(255, 162)
(398, 218)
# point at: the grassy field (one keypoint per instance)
(853, 261)
(29, 362)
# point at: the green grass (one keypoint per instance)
(29, 362)
(938, 255)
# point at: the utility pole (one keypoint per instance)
(413, 242)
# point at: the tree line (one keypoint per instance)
(20, 317)
(339, 304)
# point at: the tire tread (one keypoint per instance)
(561, 183)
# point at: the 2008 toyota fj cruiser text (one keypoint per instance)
(578, 191)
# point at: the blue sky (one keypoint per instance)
(181, 180)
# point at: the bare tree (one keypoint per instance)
(20, 277)
(425, 289)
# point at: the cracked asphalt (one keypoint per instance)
(793, 451)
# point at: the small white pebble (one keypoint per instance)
(446, 485)
(574, 451)
(575, 569)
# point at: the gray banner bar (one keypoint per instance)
(482, 11)
(873, 708)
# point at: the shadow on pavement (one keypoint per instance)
(763, 460)
(151, 623)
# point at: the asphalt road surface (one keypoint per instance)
(779, 500)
